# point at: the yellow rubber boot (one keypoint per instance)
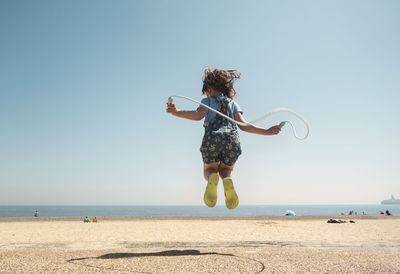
(231, 198)
(210, 196)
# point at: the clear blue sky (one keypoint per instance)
(83, 86)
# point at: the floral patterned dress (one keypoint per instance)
(221, 141)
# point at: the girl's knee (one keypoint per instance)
(211, 167)
(222, 166)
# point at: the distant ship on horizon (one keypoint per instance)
(391, 201)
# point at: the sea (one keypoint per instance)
(192, 211)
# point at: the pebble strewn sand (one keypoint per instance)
(204, 245)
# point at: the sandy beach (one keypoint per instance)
(201, 245)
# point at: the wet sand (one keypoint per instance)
(201, 245)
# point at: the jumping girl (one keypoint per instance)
(220, 147)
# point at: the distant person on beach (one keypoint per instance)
(86, 220)
(388, 213)
(220, 147)
(36, 214)
(94, 220)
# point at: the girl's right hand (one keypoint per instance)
(171, 108)
(274, 130)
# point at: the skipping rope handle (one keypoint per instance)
(170, 100)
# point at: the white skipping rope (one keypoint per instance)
(275, 110)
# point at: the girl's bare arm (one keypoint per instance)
(255, 129)
(195, 115)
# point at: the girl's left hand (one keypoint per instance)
(171, 108)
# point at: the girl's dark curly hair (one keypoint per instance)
(220, 80)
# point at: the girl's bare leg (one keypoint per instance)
(224, 170)
(209, 169)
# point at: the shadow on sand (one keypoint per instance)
(167, 253)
